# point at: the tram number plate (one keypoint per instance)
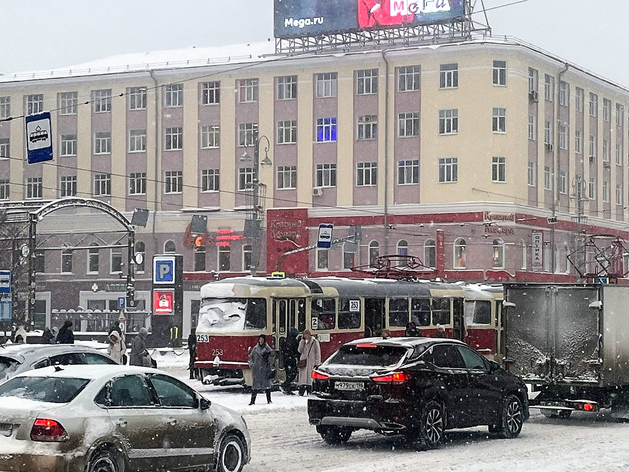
(349, 386)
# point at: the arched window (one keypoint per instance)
(247, 252)
(374, 251)
(430, 253)
(140, 248)
(169, 247)
(498, 254)
(524, 256)
(460, 254)
(402, 251)
(93, 259)
(224, 258)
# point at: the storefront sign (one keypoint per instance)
(537, 250)
(495, 229)
(114, 287)
(488, 216)
(286, 230)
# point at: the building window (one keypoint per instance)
(460, 254)
(620, 114)
(102, 142)
(68, 102)
(174, 96)
(247, 134)
(116, 261)
(548, 133)
(548, 178)
(374, 251)
(247, 256)
(593, 104)
(402, 248)
(499, 120)
(578, 141)
(531, 174)
(210, 181)
(500, 73)
(607, 110)
(326, 175)
(578, 99)
(137, 98)
(448, 169)
(524, 256)
(549, 87)
(322, 259)
(137, 140)
(287, 132)
(532, 127)
(66, 261)
(102, 185)
(67, 145)
(34, 103)
(137, 183)
(593, 147)
(5, 148)
(348, 257)
(449, 121)
(326, 85)
(248, 90)
(499, 169)
(33, 187)
(169, 247)
(408, 124)
(605, 191)
(605, 150)
(173, 181)
(224, 258)
(67, 186)
(533, 80)
(210, 93)
(245, 178)
(618, 154)
(326, 130)
(563, 182)
(563, 137)
(5, 190)
(199, 259)
(367, 82)
(499, 254)
(287, 87)
(592, 189)
(367, 127)
(286, 177)
(140, 248)
(408, 79)
(102, 101)
(408, 171)
(210, 136)
(366, 174)
(564, 93)
(93, 259)
(448, 76)
(618, 194)
(430, 253)
(5, 107)
(174, 138)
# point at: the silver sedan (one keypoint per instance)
(115, 419)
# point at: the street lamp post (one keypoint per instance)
(257, 209)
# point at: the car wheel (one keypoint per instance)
(431, 428)
(334, 434)
(105, 461)
(231, 454)
(512, 418)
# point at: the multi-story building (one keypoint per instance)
(455, 153)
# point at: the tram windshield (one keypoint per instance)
(223, 315)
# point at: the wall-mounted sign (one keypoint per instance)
(163, 302)
(537, 250)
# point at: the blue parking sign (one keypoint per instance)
(164, 270)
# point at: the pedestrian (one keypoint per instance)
(261, 362)
(310, 357)
(65, 335)
(386, 334)
(139, 355)
(47, 337)
(441, 332)
(290, 354)
(116, 348)
(192, 351)
(115, 326)
(19, 339)
(411, 330)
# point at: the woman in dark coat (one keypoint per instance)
(261, 361)
(48, 337)
(65, 335)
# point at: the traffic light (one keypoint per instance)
(198, 241)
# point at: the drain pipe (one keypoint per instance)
(386, 152)
(156, 180)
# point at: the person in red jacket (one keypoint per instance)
(378, 13)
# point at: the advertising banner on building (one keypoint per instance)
(537, 250)
(294, 18)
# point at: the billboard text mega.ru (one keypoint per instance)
(295, 18)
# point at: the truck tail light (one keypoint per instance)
(395, 378)
(48, 431)
(319, 376)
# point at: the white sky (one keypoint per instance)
(47, 34)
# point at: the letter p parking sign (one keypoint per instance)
(164, 270)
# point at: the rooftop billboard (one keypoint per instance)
(294, 18)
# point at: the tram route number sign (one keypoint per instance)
(354, 305)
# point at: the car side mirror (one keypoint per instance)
(204, 403)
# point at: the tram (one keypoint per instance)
(235, 311)
(484, 329)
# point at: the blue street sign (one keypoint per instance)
(601, 280)
(5, 281)
(39, 138)
(121, 303)
(164, 270)
(325, 236)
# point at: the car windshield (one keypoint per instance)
(7, 366)
(43, 389)
(370, 355)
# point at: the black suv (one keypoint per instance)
(414, 386)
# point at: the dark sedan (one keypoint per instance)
(419, 387)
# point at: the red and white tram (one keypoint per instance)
(235, 311)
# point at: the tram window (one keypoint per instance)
(477, 312)
(323, 313)
(398, 311)
(441, 311)
(301, 315)
(348, 319)
(282, 316)
(420, 311)
(255, 317)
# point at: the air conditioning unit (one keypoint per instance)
(533, 96)
(317, 192)
(549, 147)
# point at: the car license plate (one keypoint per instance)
(349, 386)
(6, 429)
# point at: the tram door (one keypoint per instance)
(289, 313)
(374, 316)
